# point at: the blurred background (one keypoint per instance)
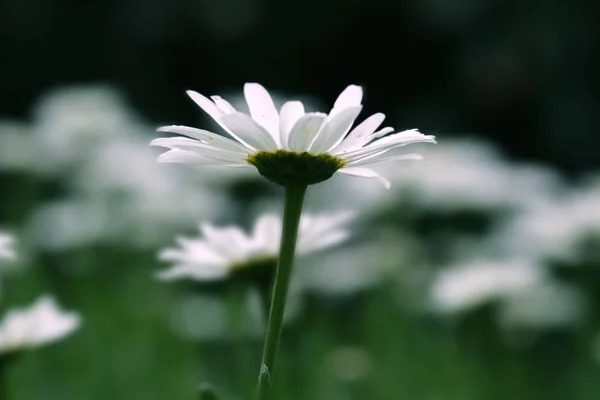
(477, 276)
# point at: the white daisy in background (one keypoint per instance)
(7, 251)
(70, 122)
(555, 231)
(96, 145)
(42, 323)
(548, 304)
(526, 296)
(468, 285)
(470, 174)
(139, 193)
(223, 250)
(70, 223)
(269, 139)
(546, 233)
(19, 148)
(360, 265)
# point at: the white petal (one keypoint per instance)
(193, 251)
(399, 137)
(211, 109)
(262, 108)
(305, 130)
(329, 240)
(228, 241)
(365, 173)
(386, 144)
(334, 130)
(184, 157)
(360, 134)
(223, 105)
(206, 137)
(379, 158)
(267, 233)
(189, 157)
(208, 106)
(290, 113)
(250, 131)
(381, 132)
(350, 97)
(202, 149)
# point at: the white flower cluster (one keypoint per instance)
(88, 139)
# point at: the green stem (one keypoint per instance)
(265, 289)
(294, 197)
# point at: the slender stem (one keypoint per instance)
(294, 197)
(265, 289)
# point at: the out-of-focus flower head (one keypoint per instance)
(526, 296)
(42, 323)
(468, 285)
(471, 175)
(70, 223)
(115, 191)
(556, 230)
(7, 251)
(19, 148)
(222, 251)
(125, 176)
(549, 304)
(69, 123)
(359, 265)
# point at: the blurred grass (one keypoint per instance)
(125, 349)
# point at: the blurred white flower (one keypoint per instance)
(19, 148)
(70, 122)
(70, 223)
(357, 266)
(7, 251)
(95, 144)
(469, 285)
(42, 323)
(367, 196)
(554, 230)
(291, 130)
(467, 174)
(586, 205)
(544, 233)
(548, 304)
(221, 250)
(124, 175)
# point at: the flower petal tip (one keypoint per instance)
(166, 128)
(156, 142)
(165, 158)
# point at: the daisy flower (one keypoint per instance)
(222, 251)
(290, 145)
(43, 323)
